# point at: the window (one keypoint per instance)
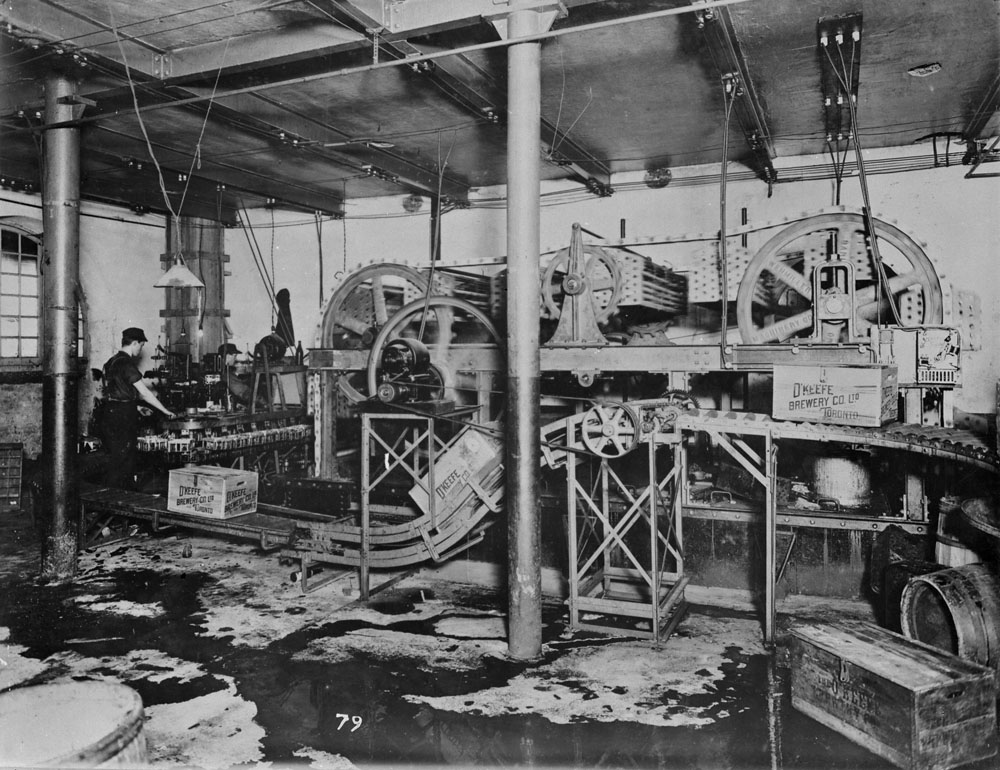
(20, 296)
(21, 299)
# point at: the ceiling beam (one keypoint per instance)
(38, 23)
(299, 132)
(176, 164)
(351, 69)
(399, 20)
(476, 90)
(725, 50)
(351, 152)
(264, 49)
(465, 83)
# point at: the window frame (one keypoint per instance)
(31, 229)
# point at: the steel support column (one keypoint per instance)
(61, 272)
(523, 364)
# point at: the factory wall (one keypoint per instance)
(952, 217)
(120, 253)
(955, 219)
(119, 262)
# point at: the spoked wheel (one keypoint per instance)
(601, 275)
(464, 351)
(775, 297)
(360, 307)
(610, 430)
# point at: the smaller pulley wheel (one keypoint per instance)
(672, 403)
(610, 430)
(601, 275)
(455, 348)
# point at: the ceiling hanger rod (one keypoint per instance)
(698, 7)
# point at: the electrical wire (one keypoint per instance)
(436, 235)
(319, 249)
(272, 274)
(145, 134)
(196, 157)
(872, 236)
(160, 31)
(556, 140)
(838, 167)
(410, 60)
(175, 214)
(730, 92)
(258, 256)
(158, 19)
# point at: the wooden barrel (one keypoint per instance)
(76, 724)
(957, 610)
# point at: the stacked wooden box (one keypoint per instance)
(916, 706)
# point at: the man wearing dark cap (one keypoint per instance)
(123, 388)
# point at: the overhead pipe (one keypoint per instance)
(523, 363)
(60, 275)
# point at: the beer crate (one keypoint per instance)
(912, 704)
(862, 396)
(211, 491)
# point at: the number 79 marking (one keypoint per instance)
(356, 720)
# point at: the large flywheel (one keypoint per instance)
(360, 307)
(462, 351)
(785, 293)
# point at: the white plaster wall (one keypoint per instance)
(376, 231)
(119, 263)
(120, 253)
(955, 218)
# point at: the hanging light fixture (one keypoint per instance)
(179, 276)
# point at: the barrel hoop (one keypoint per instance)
(108, 746)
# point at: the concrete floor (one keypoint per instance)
(236, 667)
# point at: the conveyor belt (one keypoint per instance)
(272, 526)
(665, 416)
(403, 544)
(334, 540)
(946, 443)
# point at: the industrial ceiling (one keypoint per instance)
(305, 104)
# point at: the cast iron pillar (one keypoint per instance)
(523, 366)
(61, 274)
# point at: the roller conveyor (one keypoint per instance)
(329, 539)
(271, 526)
(946, 443)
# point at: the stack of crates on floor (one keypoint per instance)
(918, 707)
(10, 477)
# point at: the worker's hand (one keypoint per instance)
(169, 415)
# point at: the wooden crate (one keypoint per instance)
(864, 396)
(916, 706)
(461, 474)
(208, 490)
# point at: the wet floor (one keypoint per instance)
(416, 677)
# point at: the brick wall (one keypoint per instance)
(21, 406)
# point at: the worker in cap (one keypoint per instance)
(123, 389)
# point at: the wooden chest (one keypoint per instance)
(211, 491)
(916, 706)
(863, 396)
